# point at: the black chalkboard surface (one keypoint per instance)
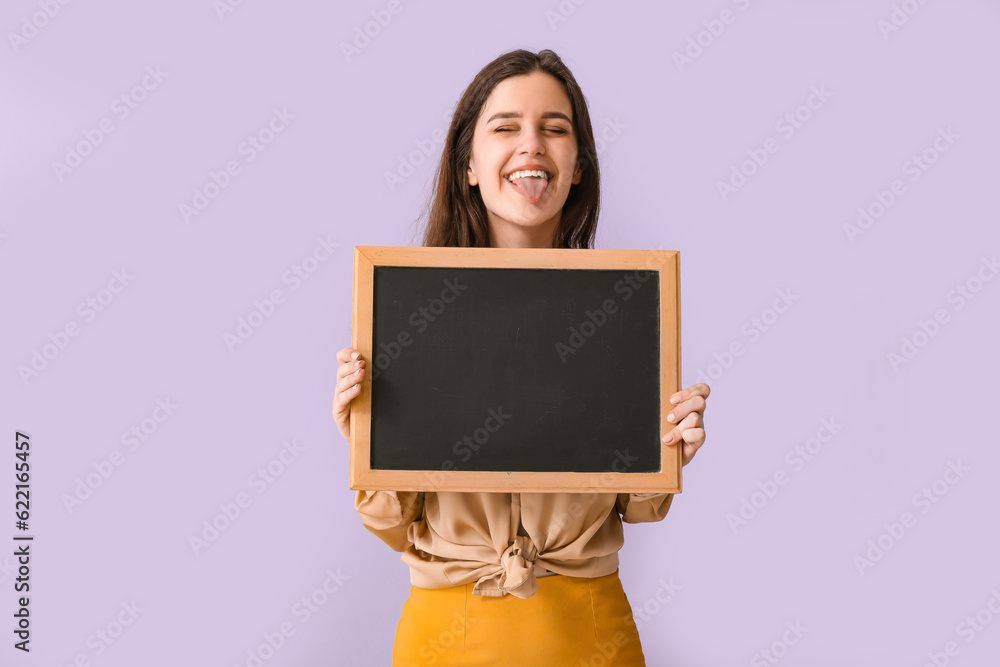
(515, 369)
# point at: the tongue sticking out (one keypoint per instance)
(530, 187)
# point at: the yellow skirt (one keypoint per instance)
(571, 621)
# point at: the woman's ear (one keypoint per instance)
(473, 179)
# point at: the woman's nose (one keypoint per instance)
(531, 141)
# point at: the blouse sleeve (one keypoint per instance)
(388, 514)
(643, 507)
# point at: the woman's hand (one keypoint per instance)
(349, 376)
(688, 414)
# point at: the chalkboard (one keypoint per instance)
(496, 369)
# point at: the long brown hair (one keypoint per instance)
(457, 214)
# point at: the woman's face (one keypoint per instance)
(527, 121)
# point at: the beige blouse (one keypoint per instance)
(504, 541)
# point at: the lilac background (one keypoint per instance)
(679, 132)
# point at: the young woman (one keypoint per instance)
(515, 578)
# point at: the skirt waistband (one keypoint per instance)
(567, 620)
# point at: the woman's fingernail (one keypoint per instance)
(668, 437)
(670, 418)
(355, 355)
(675, 398)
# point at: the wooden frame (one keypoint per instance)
(666, 263)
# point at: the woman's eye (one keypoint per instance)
(557, 130)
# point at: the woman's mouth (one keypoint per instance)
(530, 184)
